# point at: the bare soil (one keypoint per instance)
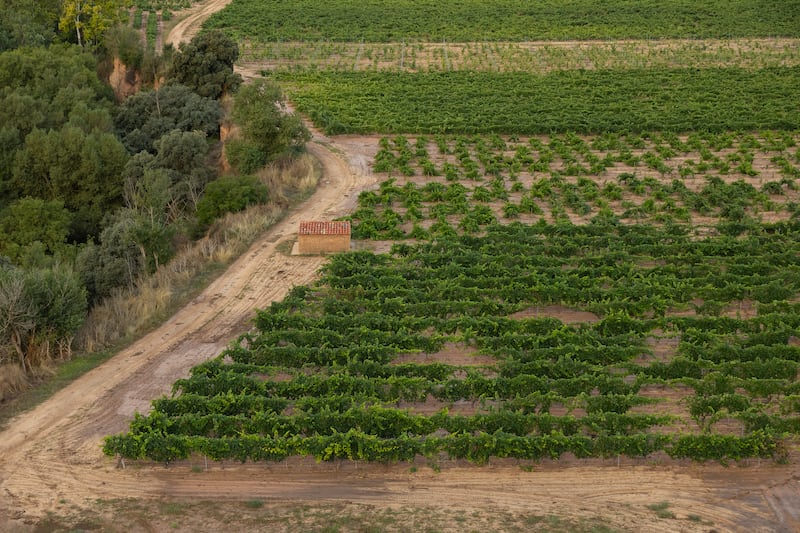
(189, 21)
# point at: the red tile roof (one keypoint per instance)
(339, 227)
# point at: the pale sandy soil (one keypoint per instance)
(191, 20)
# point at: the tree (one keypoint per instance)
(16, 312)
(33, 220)
(81, 170)
(89, 19)
(229, 195)
(42, 87)
(40, 307)
(205, 64)
(60, 305)
(147, 116)
(268, 130)
(27, 22)
(45, 89)
(181, 158)
(130, 246)
(125, 43)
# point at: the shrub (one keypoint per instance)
(230, 195)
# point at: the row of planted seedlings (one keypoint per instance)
(528, 57)
(353, 368)
(774, 153)
(150, 18)
(524, 103)
(438, 209)
(518, 179)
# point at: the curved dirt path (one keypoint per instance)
(188, 26)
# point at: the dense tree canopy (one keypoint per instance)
(27, 22)
(93, 195)
(45, 89)
(206, 64)
(31, 227)
(145, 117)
(79, 169)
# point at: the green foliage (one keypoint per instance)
(88, 20)
(125, 43)
(505, 20)
(39, 307)
(32, 100)
(55, 141)
(335, 345)
(229, 195)
(130, 246)
(33, 222)
(205, 64)
(147, 116)
(79, 169)
(245, 156)
(589, 101)
(166, 186)
(268, 130)
(27, 22)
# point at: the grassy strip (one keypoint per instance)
(509, 20)
(64, 375)
(676, 100)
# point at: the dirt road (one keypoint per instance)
(188, 26)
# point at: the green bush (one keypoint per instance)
(245, 156)
(229, 195)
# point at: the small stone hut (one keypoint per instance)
(315, 237)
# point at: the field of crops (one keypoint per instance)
(723, 183)
(539, 56)
(348, 369)
(505, 20)
(599, 101)
(593, 246)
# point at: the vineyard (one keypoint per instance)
(350, 368)
(505, 20)
(599, 101)
(541, 56)
(587, 249)
(727, 183)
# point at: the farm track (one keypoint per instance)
(190, 24)
(52, 453)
